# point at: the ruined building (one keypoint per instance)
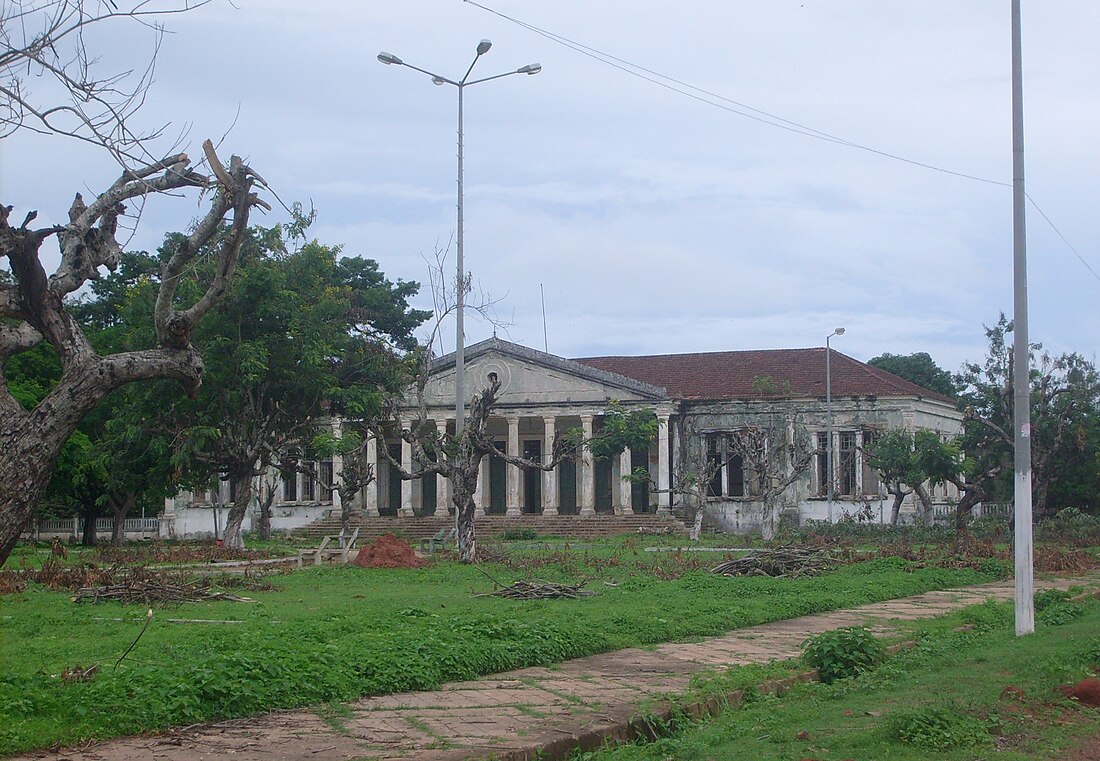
(703, 402)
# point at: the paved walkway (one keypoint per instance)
(526, 714)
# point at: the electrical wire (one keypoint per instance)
(741, 109)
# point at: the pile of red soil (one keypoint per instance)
(1086, 692)
(387, 551)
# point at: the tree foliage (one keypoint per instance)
(917, 368)
(1065, 397)
(302, 334)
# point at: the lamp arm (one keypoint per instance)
(495, 76)
(431, 74)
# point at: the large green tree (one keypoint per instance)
(54, 84)
(1065, 394)
(303, 333)
(917, 368)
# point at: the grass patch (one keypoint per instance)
(976, 693)
(336, 633)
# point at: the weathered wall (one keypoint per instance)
(807, 417)
(184, 521)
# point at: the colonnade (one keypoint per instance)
(531, 436)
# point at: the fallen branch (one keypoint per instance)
(536, 590)
(780, 562)
(150, 591)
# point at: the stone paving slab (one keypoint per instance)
(524, 714)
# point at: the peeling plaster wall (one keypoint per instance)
(181, 520)
(809, 417)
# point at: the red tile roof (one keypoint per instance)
(730, 374)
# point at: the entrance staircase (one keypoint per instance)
(420, 529)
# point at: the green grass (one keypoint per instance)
(981, 693)
(336, 633)
(35, 554)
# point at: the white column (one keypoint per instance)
(406, 485)
(662, 466)
(624, 486)
(549, 477)
(337, 466)
(513, 473)
(481, 494)
(441, 496)
(588, 472)
(370, 502)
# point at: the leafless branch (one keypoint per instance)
(44, 48)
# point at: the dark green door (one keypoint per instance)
(567, 487)
(639, 492)
(532, 479)
(603, 486)
(427, 493)
(393, 498)
(498, 483)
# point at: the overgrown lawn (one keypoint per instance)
(959, 695)
(336, 633)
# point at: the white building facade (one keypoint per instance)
(700, 400)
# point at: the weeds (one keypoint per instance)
(842, 653)
(938, 727)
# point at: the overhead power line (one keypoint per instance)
(744, 110)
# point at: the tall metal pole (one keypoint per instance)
(460, 278)
(829, 419)
(460, 293)
(829, 424)
(1021, 365)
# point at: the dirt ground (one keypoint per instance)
(388, 551)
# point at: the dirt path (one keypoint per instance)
(524, 714)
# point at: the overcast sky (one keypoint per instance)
(654, 222)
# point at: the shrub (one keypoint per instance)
(939, 727)
(842, 653)
(1069, 525)
(519, 533)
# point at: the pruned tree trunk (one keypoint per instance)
(928, 515)
(266, 500)
(29, 445)
(120, 508)
(33, 311)
(87, 534)
(771, 520)
(464, 484)
(895, 508)
(232, 536)
(899, 495)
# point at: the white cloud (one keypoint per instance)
(656, 223)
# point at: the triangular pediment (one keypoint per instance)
(531, 377)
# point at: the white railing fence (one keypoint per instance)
(48, 528)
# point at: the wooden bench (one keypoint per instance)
(445, 534)
(342, 551)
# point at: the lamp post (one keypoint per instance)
(829, 419)
(460, 279)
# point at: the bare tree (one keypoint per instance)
(458, 459)
(51, 83)
(33, 308)
(354, 474)
(776, 456)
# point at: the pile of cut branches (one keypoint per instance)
(148, 591)
(538, 590)
(780, 562)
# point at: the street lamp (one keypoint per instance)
(829, 419)
(460, 296)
